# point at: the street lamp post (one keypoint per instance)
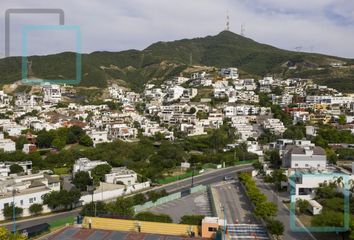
(14, 211)
(192, 175)
(223, 209)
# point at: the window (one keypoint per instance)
(306, 165)
(318, 165)
(21, 202)
(212, 229)
(31, 200)
(296, 165)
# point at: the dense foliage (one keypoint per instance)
(8, 211)
(153, 217)
(62, 198)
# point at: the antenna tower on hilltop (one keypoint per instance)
(227, 21)
(243, 30)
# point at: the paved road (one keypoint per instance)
(21, 224)
(283, 214)
(206, 178)
(237, 206)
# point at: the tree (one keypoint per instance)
(274, 157)
(192, 219)
(278, 176)
(192, 110)
(85, 140)
(275, 227)
(8, 211)
(70, 198)
(21, 140)
(266, 210)
(122, 207)
(99, 172)
(302, 205)
(15, 168)
(153, 217)
(328, 218)
(63, 198)
(7, 235)
(82, 180)
(331, 156)
(342, 120)
(138, 199)
(155, 195)
(44, 139)
(58, 143)
(94, 209)
(258, 165)
(36, 209)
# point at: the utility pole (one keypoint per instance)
(192, 175)
(14, 210)
(223, 209)
(95, 208)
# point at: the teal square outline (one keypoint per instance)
(28, 28)
(346, 194)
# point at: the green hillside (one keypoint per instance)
(165, 59)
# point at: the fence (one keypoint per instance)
(171, 197)
(105, 195)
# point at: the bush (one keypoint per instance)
(85, 140)
(275, 227)
(36, 209)
(15, 168)
(153, 217)
(302, 205)
(192, 219)
(155, 195)
(8, 212)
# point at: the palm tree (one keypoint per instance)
(339, 182)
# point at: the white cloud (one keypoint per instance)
(124, 24)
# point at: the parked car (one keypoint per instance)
(228, 178)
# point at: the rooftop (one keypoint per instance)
(83, 234)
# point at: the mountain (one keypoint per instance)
(163, 60)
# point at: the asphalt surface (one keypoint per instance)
(25, 223)
(237, 206)
(194, 204)
(205, 178)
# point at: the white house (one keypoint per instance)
(7, 145)
(98, 136)
(126, 176)
(5, 167)
(52, 93)
(86, 165)
(304, 157)
(26, 190)
(229, 73)
(274, 125)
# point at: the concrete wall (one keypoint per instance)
(108, 195)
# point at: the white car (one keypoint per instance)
(228, 178)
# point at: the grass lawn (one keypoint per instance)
(61, 222)
(61, 171)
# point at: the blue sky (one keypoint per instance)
(325, 26)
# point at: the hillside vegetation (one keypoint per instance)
(163, 60)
